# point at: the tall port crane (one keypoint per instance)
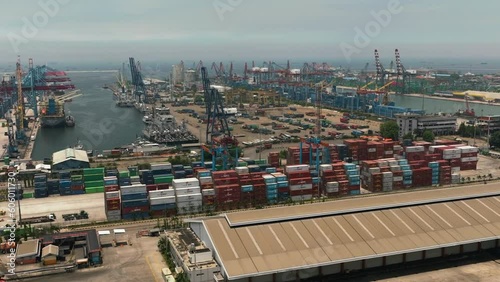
(217, 135)
(381, 71)
(137, 80)
(403, 74)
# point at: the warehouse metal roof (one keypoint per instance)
(361, 204)
(69, 154)
(286, 245)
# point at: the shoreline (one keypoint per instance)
(449, 99)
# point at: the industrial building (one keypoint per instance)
(49, 254)
(189, 253)
(439, 125)
(27, 252)
(68, 240)
(317, 240)
(70, 159)
(489, 124)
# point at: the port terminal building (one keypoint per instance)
(316, 240)
(439, 125)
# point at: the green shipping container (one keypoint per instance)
(99, 189)
(89, 190)
(259, 162)
(124, 174)
(88, 171)
(93, 184)
(162, 180)
(93, 177)
(133, 170)
(242, 164)
(27, 195)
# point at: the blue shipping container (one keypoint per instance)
(271, 186)
(282, 184)
(135, 197)
(135, 203)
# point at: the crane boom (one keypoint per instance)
(20, 98)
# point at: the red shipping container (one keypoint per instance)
(151, 187)
(469, 155)
(301, 192)
(299, 181)
(246, 182)
(226, 181)
(162, 186)
(207, 186)
(111, 188)
(327, 173)
(298, 174)
(283, 189)
(135, 209)
(77, 187)
(224, 174)
(244, 176)
(112, 207)
(164, 213)
(112, 201)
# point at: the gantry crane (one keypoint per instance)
(20, 111)
(137, 80)
(381, 71)
(404, 74)
(217, 135)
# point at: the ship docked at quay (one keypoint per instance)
(52, 114)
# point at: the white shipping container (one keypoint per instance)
(451, 152)
(161, 193)
(269, 177)
(189, 198)
(294, 168)
(162, 201)
(325, 167)
(372, 150)
(387, 174)
(133, 189)
(300, 187)
(455, 169)
(302, 198)
(388, 152)
(382, 163)
(332, 189)
(187, 191)
(468, 149)
(241, 169)
(469, 159)
(397, 178)
(332, 184)
(374, 169)
(113, 195)
(114, 213)
(395, 168)
(167, 165)
(206, 180)
(208, 192)
(185, 183)
(398, 147)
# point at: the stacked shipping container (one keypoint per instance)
(134, 202)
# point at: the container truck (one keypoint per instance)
(38, 219)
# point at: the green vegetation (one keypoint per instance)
(467, 130)
(495, 140)
(409, 136)
(389, 129)
(428, 136)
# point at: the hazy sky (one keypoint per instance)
(171, 30)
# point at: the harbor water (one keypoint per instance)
(100, 124)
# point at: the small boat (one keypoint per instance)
(78, 146)
(70, 121)
(68, 100)
(147, 119)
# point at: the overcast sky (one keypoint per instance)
(171, 30)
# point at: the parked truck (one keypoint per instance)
(38, 219)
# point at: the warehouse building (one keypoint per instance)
(300, 242)
(439, 125)
(70, 159)
(28, 252)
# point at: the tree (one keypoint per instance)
(198, 99)
(428, 136)
(389, 129)
(461, 129)
(495, 140)
(408, 136)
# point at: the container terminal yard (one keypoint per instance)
(284, 177)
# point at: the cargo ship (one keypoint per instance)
(52, 113)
